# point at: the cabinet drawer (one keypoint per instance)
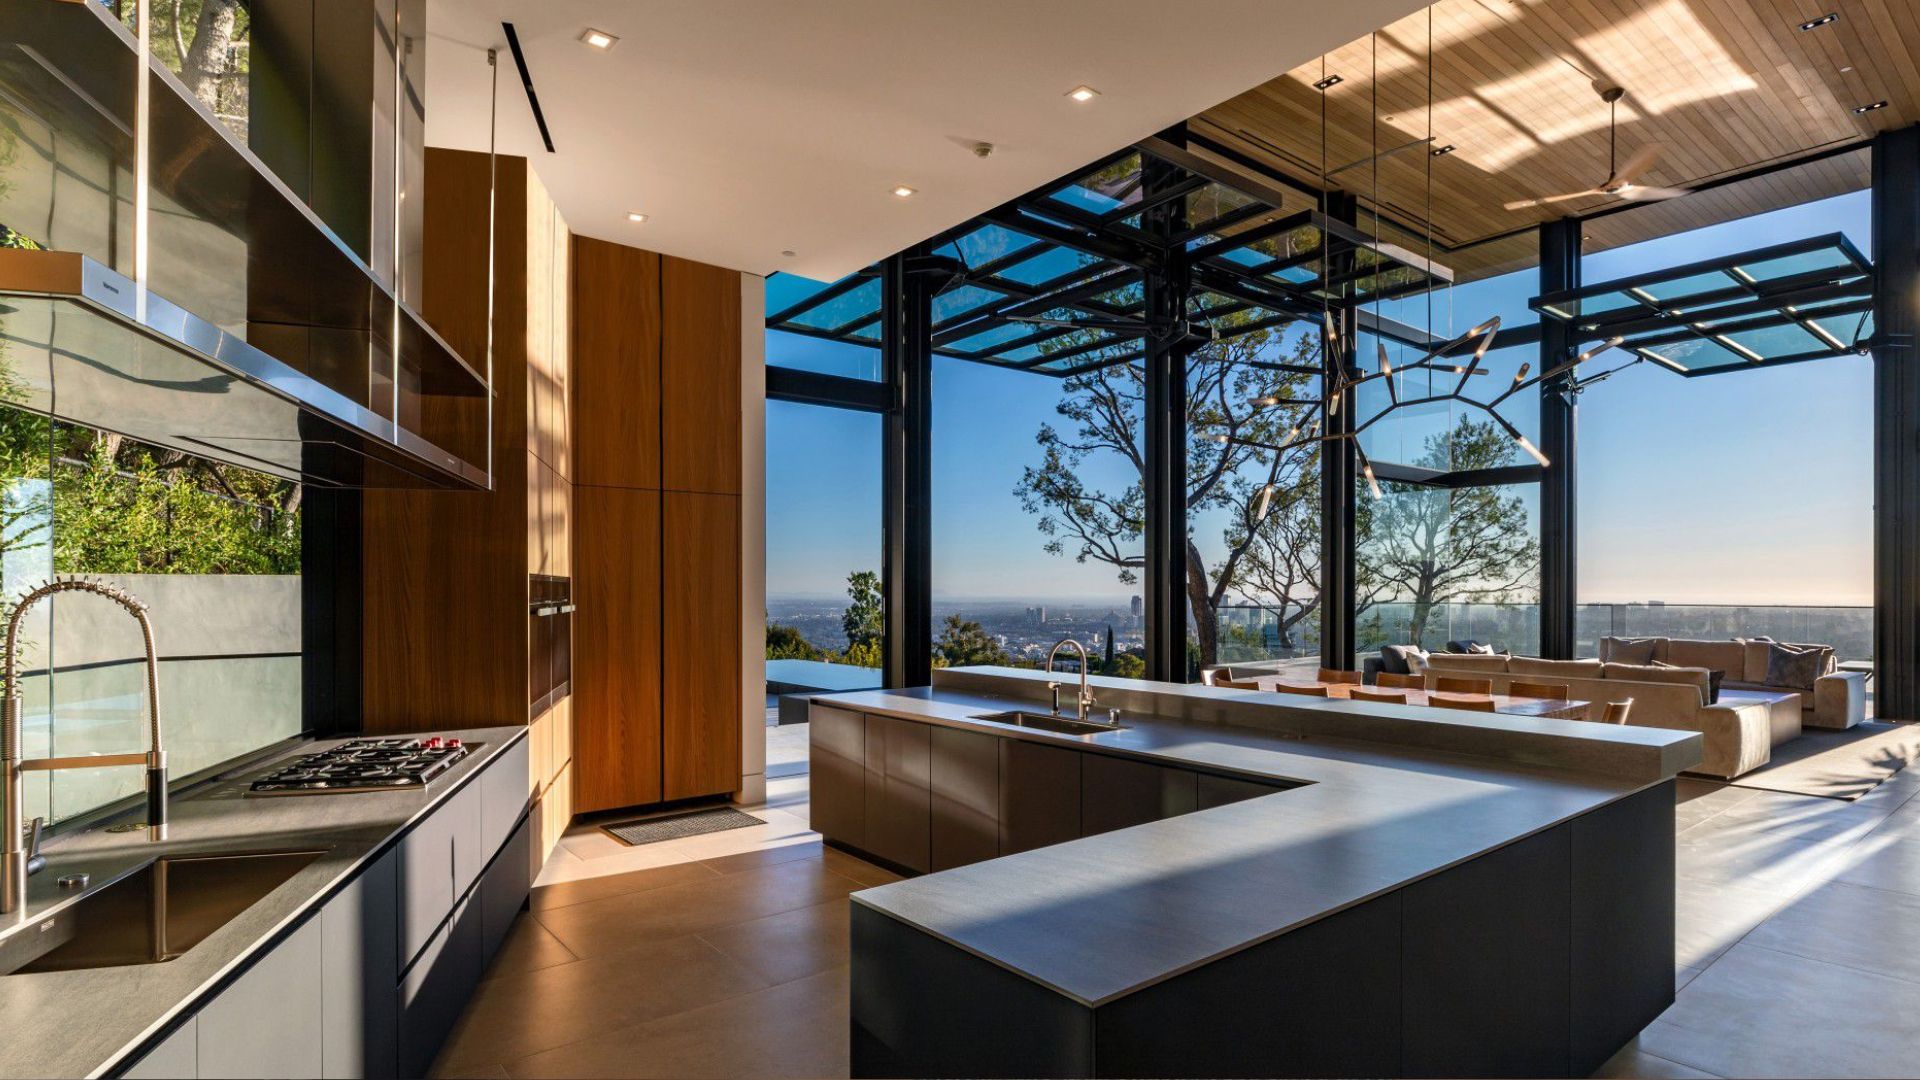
(1116, 793)
(503, 889)
(426, 882)
(503, 797)
(436, 989)
(359, 1021)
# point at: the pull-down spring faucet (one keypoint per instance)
(13, 861)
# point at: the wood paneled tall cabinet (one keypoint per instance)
(656, 448)
(446, 573)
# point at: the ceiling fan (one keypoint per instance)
(1620, 177)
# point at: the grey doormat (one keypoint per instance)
(674, 826)
(1838, 764)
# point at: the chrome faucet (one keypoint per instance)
(15, 866)
(1086, 696)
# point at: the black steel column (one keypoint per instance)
(1339, 472)
(1166, 437)
(1896, 425)
(907, 473)
(1559, 441)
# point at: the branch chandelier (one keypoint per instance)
(1314, 426)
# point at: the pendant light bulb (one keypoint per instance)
(1532, 450)
(1266, 500)
(1373, 485)
(1521, 376)
(1386, 362)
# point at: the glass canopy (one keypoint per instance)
(1053, 282)
(1805, 300)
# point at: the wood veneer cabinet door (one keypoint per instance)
(699, 377)
(616, 648)
(965, 798)
(614, 367)
(899, 810)
(700, 588)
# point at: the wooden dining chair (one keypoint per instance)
(1303, 691)
(1222, 680)
(1617, 712)
(1368, 693)
(1547, 690)
(1335, 675)
(1470, 704)
(1454, 684)
(1403, 682)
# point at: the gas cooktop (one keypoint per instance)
(364, 765)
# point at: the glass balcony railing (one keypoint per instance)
(1252, 632)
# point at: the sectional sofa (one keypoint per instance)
(1739, 733)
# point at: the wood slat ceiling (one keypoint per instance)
(1724, 86)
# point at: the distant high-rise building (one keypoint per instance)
(1139, 607)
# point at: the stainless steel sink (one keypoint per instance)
(1063, 725)
(151, 915)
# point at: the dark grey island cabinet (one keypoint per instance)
(922, 797)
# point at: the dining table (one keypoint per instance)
(1514, 704)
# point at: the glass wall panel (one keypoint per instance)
(1037, 504)
(1253, 503)
(1735, 504)
(1436, 565)
(825, 611)
(212, 550)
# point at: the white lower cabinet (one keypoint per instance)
(267, 1023)
(397, 953)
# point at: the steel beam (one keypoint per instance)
(1559, 439)
(1338, 472)
(1167, 286)
(1896, 428)
(907, 472)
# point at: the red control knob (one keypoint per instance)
(452, 744)
(433, 743)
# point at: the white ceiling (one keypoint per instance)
(744, 128)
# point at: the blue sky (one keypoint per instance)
(1751, 487)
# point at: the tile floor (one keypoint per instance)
(725, 954)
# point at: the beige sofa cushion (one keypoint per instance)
(1478, 663)
(1756, 666)
(1565, 669)
(1632, 650)
(1698, 678)
(1727, 656)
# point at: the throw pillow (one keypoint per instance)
(1631, 650)
(1793, 668)
(1402, 659)
(1476, 647)
(1713, 680)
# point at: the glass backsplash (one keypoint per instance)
(213, 550)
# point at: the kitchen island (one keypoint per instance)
(1238, 883)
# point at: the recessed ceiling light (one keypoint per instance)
(599, 39)
(1328, 82)
(787, 254)
(902, 192)
(1849, 67)
(1815, 24)
(1881, 104)
(1083, 93)
(636, 216)
(1443, 151)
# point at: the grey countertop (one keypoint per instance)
(1370, 816)
(81, 1023)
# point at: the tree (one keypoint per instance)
(785, 643)
(1428, 546)
(1126, 666)
(865, 618)
(963, 642)
(1271, 540)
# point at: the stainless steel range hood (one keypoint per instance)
(76, 346)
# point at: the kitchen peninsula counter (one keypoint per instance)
(1207, 902)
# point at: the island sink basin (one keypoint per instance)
(1061, 725)
(151, 915)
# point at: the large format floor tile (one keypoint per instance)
(1761, 1013)
(1850, 925)
(799, 1029)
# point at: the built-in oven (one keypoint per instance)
(549, 641)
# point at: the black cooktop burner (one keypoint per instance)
(364, 765)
